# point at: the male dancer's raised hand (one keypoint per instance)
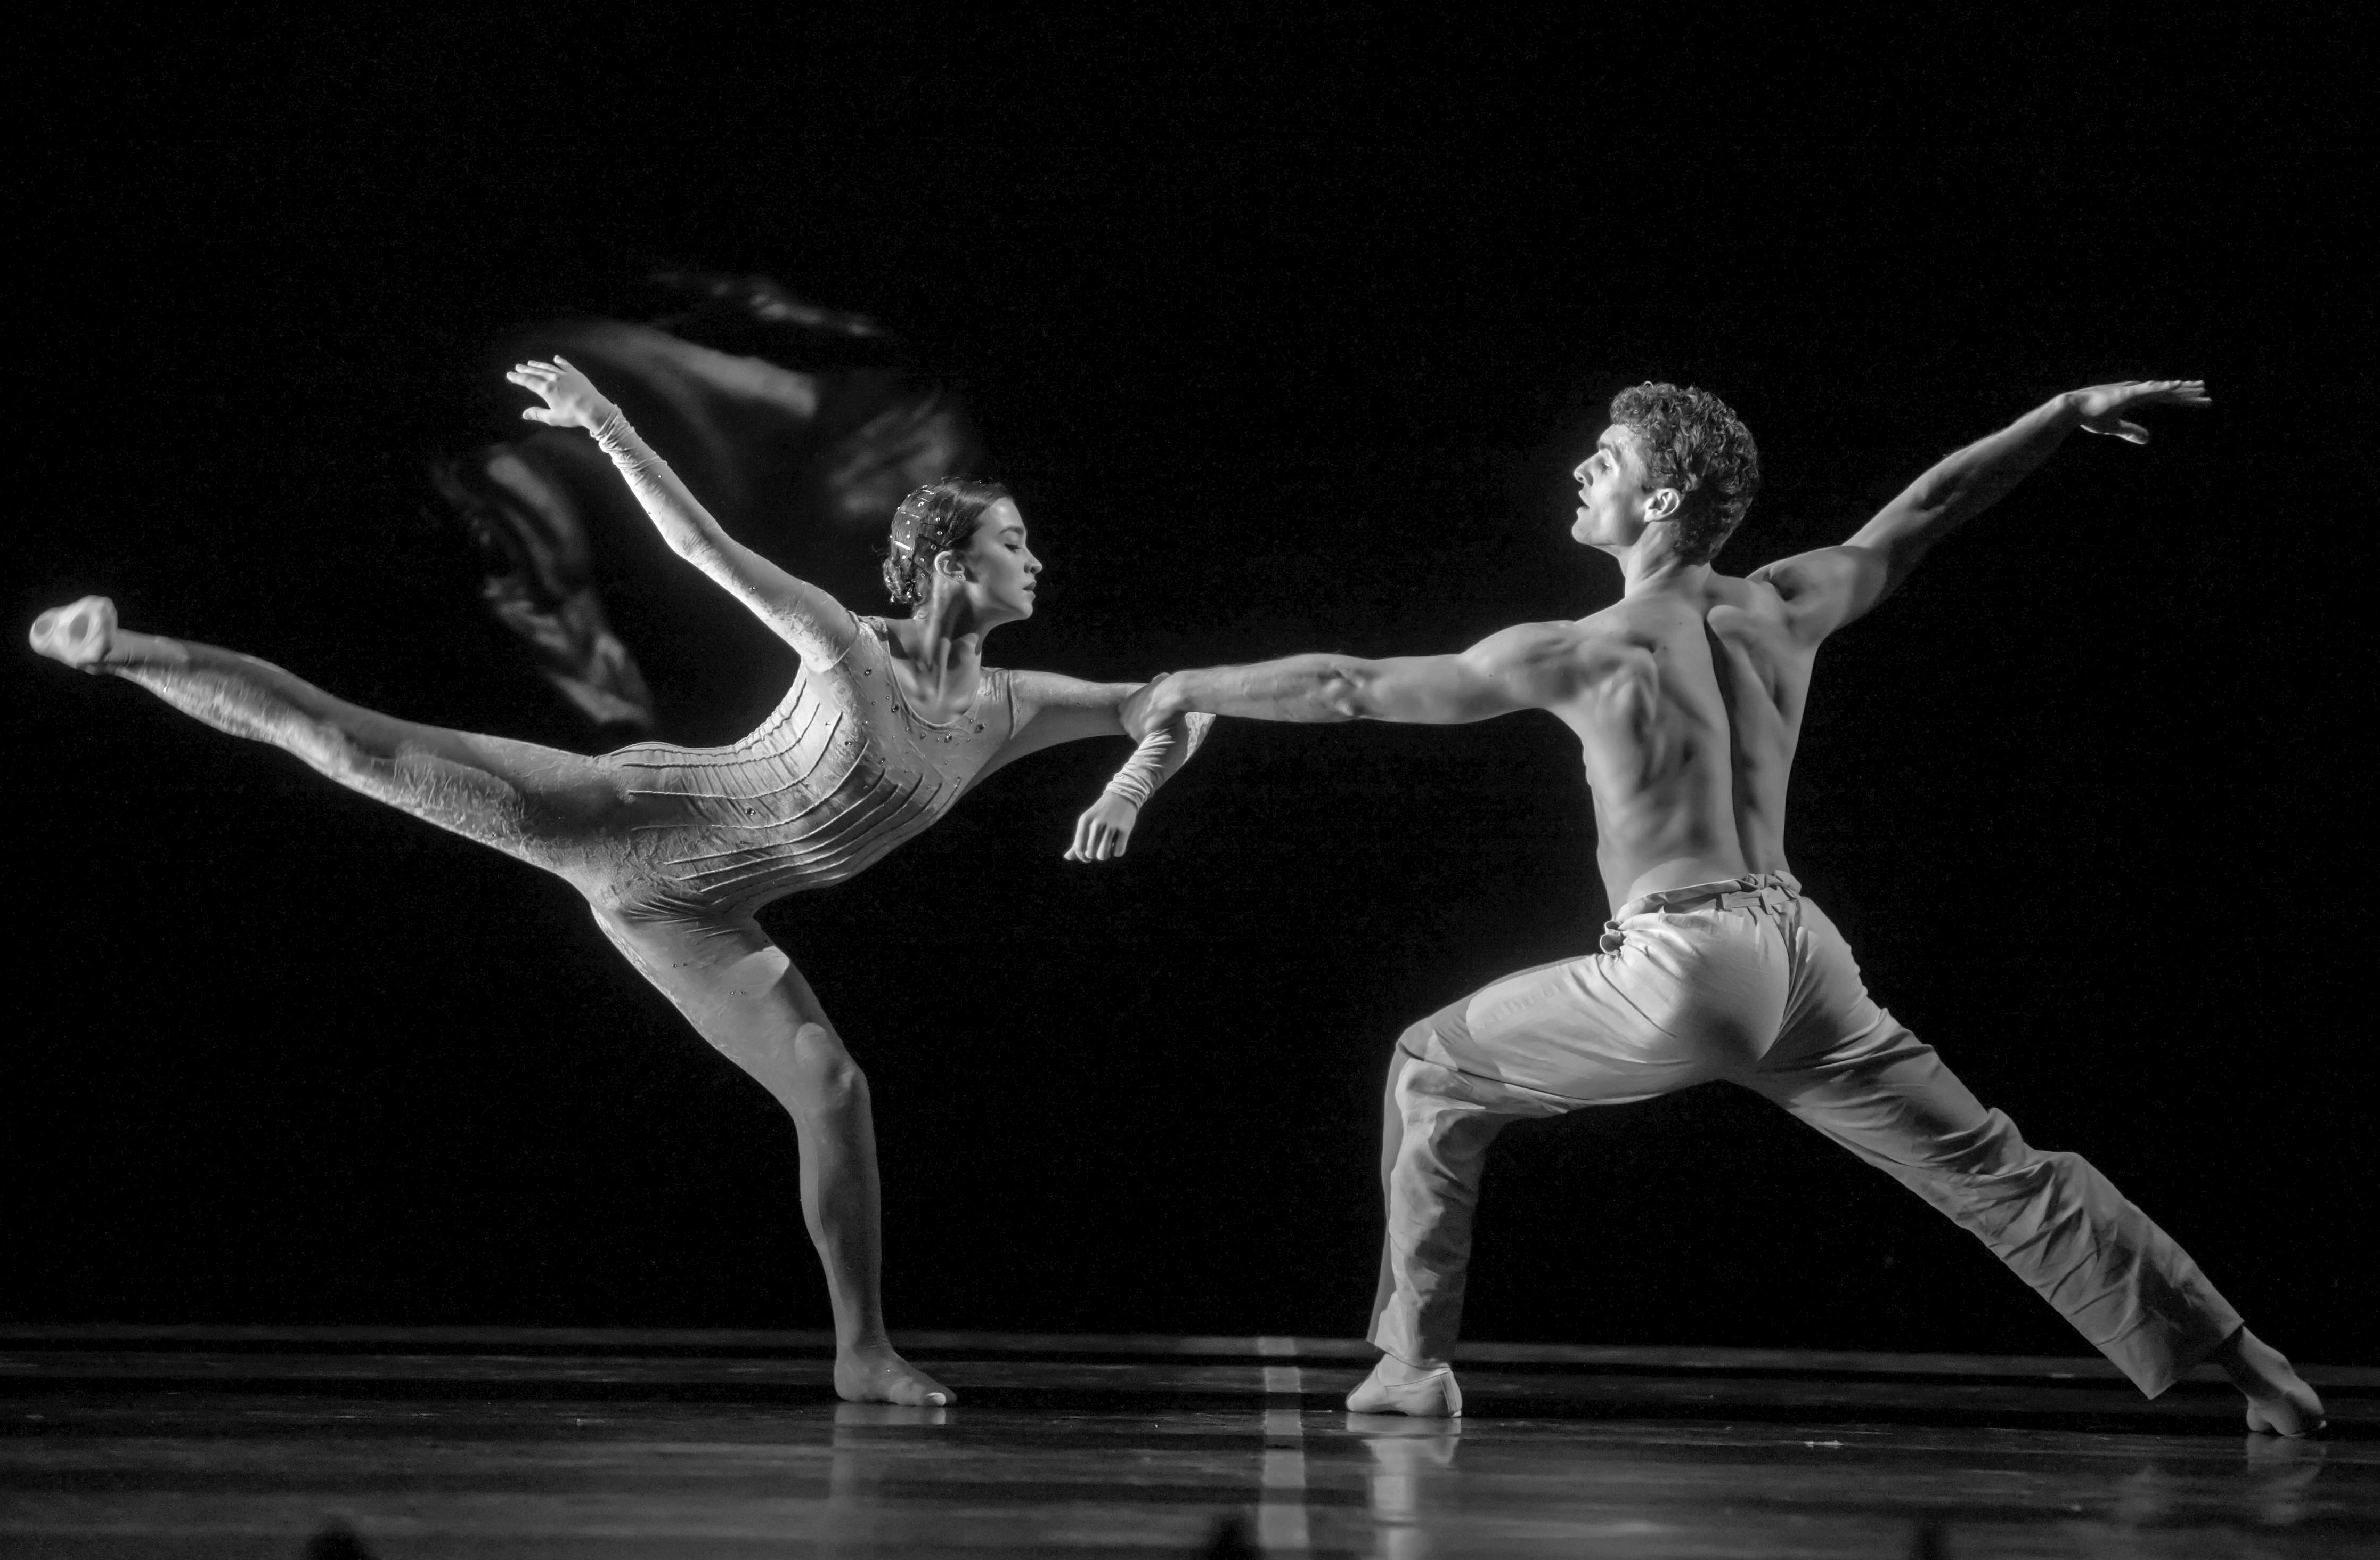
(2103, 406)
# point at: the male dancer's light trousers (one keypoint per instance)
(1747, 981)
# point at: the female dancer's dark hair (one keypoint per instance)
(939, 517)
(885, 725)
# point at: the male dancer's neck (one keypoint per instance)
(1658, 568)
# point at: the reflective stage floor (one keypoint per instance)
(139, 1441)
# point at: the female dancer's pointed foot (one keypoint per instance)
(2280, 1401)
(1395, 1388)
(879, 1375)
(79, 635)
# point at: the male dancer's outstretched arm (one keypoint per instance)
(1526, 668)
(1832, 587)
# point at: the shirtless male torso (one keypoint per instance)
(1687, 697)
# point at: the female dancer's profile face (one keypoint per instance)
(1001, 566)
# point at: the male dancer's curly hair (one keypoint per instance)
(939, 517)
(1694, 443)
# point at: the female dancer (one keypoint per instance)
(886, 725)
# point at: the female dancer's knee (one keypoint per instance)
(824, 1067)
(823, 1080)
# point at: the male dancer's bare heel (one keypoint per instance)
(80, 635)
(2280, 1401)
(875, 1373)
(1395, 1388)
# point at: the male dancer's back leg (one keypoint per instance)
(1846, 1067)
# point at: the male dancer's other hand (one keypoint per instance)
(571, 398)
(1103, 830)
(1149, 709)
(2102, 407)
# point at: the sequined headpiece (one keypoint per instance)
(921, 527)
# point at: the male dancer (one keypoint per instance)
(1687, 697)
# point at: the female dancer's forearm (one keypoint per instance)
(1161, 753)
(683, 523)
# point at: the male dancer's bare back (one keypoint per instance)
(1687, 697)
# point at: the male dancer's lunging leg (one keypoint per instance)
(1687, 697)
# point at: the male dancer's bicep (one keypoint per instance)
(1512, 670)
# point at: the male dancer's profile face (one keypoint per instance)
(1612, 490)
(1001, 566)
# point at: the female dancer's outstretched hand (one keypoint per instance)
(1102, 833)
(571, 398)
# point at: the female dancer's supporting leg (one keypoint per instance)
(745, 996)
(563, 811)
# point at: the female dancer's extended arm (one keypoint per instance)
(805, 616)
(1052, 709)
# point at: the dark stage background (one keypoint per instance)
(1287, 346)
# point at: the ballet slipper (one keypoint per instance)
(1435, 1395)
(79, 635)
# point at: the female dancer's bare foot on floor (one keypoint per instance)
(1395, 1388)
(79, 635)
(879, 1375)
(2279, 1402)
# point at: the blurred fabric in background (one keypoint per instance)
(789, 420)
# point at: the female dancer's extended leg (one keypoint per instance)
(547, 807)
(564, 812)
